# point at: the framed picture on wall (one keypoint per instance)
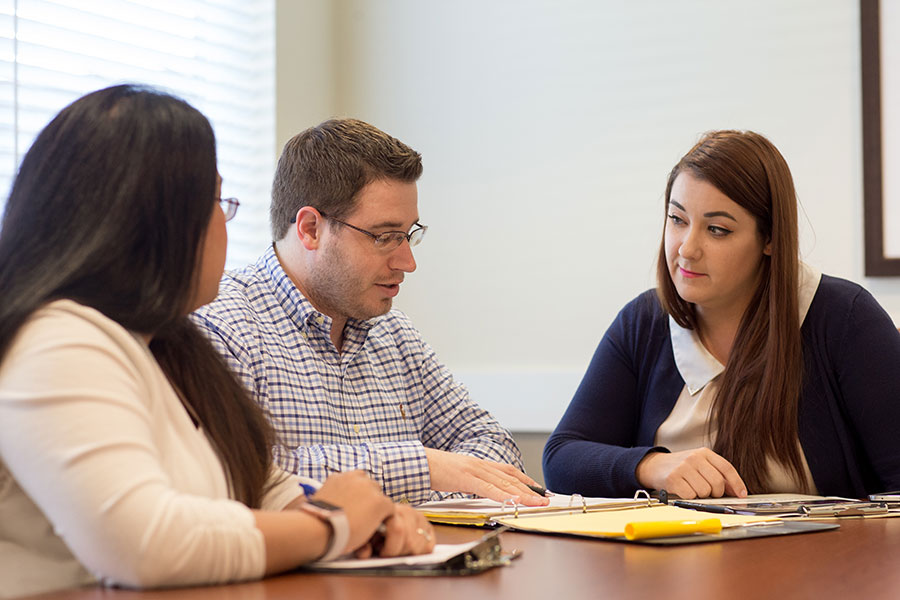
(880, 51)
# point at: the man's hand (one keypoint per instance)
(697, 473)
(451, 472)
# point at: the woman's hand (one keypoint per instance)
(697, 473)
(362, 501)
(294, 537)
(407, 531)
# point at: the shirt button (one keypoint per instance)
(356, 428)
(305, 337)
(320, 320)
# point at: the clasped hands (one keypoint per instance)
(405, 531)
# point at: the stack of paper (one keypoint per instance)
(480, 511)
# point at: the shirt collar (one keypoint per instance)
(809, 283)
(694, 362)
(296, 306)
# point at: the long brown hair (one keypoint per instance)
(756, 405)
(239, 431)
(131, 172)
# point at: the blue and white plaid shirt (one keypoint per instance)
(375, 406)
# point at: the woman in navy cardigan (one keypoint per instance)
(745, 371)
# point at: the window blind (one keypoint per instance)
(219, 55)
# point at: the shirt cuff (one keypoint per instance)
(404, 472)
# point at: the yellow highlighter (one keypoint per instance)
(655, 529)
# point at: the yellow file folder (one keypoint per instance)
(613, 523)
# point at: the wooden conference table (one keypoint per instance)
(860, 560)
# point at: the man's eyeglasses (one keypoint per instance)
(389, 240)
(229, 207)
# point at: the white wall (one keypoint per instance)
(305, 66)
(547, 129)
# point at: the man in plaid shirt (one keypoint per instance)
(348, 382)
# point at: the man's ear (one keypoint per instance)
(308, 227)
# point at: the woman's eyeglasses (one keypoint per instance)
(229, 207)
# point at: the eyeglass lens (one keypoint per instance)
(229, 207)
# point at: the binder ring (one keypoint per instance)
(574, 497)
(513, 504)
(642, 494)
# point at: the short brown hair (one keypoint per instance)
(326, 166)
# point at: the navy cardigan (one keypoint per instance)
(849, 412)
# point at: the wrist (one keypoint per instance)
(337, 523)
(643, 470)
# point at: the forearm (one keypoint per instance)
(292, 538)
(592, 468)
(399, 468)
(454, 423)
(605, 431)
(490, 443)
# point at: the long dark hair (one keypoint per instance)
(109, 208)
(759, 391)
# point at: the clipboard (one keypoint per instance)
(474, 557)
(741, 533)
(805, 508)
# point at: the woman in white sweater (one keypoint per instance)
(129, 454)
